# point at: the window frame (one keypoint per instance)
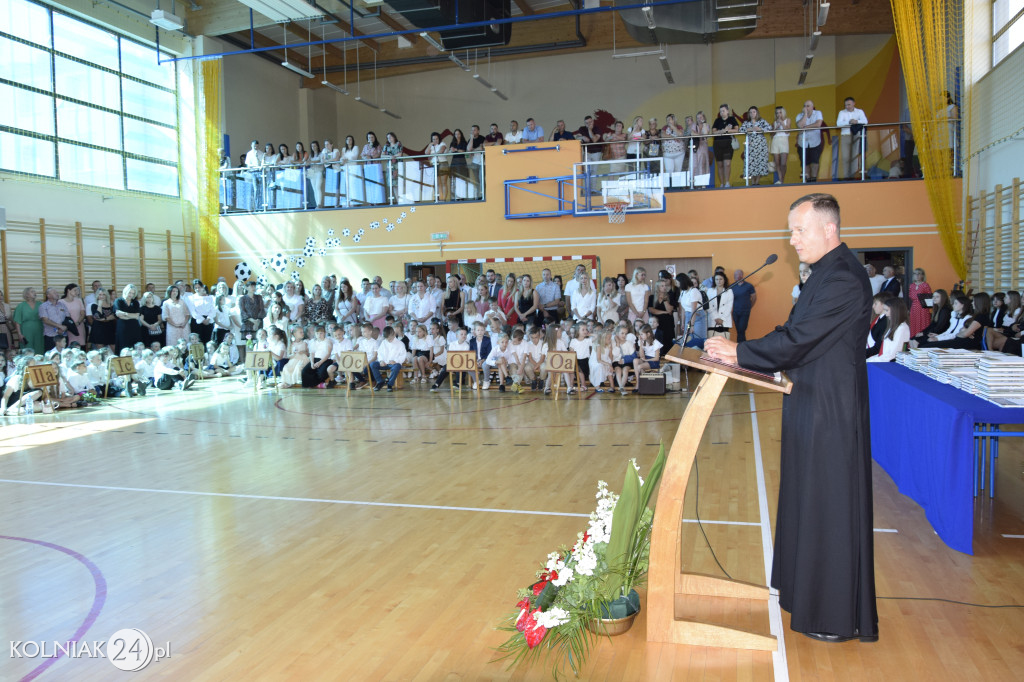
(57, 97)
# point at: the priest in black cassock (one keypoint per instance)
(823, 566)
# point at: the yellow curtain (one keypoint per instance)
(209, 137)
(930, 36)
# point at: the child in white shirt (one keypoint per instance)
(581, 345)
(650, 356)
(390, 356)
(494, 330)
(498, 360)
(438, 344)
(625, 342)
(420, 345)
(516, 351)
(78, 377)
(366, 344)
(601, 369)
(533, 358)
(460, 343)
(318, 370)
(495, 313)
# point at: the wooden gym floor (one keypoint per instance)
(304, 536)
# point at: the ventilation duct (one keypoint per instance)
(701, 21)
(427, 14)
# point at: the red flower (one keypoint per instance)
(521, 621)
(533, 631)
(545, 578)
(523, 603)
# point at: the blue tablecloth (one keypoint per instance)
(922, 434)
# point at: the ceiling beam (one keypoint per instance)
(261, 40)
(524, 7)
(390, 21)
(369, 42)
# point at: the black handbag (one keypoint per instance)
(72, 328)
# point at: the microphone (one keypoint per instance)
(704, 306)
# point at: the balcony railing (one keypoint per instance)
(871, 153)
(403, 180)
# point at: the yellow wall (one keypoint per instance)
(737, 228)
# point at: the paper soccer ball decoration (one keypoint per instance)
(242, 271)
(279, 262)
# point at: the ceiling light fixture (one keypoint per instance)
(433, 42)
(283, 10)
(334, 87)
(297, 69)
(822, 13)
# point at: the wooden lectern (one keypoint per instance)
(665, 578)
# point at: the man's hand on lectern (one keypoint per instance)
(721, 348)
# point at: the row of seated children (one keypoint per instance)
(309, 357)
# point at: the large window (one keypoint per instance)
(84, 105)
(1007, 28)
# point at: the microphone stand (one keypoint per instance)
(704, 306)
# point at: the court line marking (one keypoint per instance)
(366, 503)
(779, 663)
(98, 600)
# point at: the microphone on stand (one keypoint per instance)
(704, 306)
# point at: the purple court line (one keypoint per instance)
(98, 600)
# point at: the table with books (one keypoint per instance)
(934, 418)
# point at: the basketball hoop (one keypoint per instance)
(616, 211)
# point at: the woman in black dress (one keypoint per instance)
(724, 126)
(459, 168)
(659, 304)
(102, 322)
(128, 311)
(454, 301)
(528, 303)
(152, 320)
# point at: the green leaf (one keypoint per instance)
(653, 477)
(624, 521)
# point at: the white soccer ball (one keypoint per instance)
(242, 271)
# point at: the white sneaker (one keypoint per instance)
(487, 385)
(475, 387)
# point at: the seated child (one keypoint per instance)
(460, 343)
(168, 374)
(390, 357)
(420, 346)
(650, 356)
(581, 345)
(498, 360)
(291, 372)
(533, 358)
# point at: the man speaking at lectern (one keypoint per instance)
(823, 566)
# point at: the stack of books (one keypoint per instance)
(1000, 379)
(950, 365)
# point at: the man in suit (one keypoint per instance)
(824, 554)
(493, 284)
(891, 283)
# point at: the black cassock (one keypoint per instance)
(823, 566)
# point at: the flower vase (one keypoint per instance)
(617, 616)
